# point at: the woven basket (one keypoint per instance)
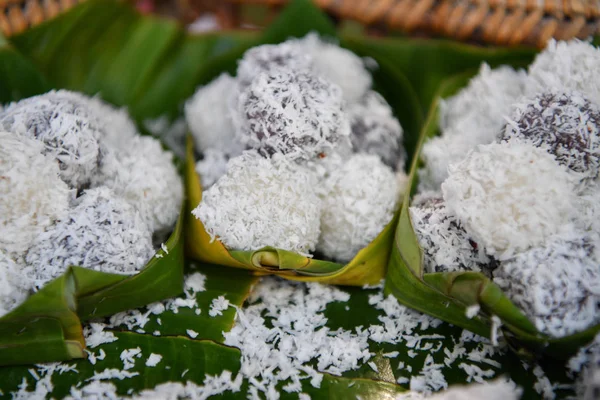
(504, 22)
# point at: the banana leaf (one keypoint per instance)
(43, 328)
(446, 295)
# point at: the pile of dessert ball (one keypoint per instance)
(511, 188)
(78, 186)
(298, 152)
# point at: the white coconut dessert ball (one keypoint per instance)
(359, 200)
(118, 127)
(143, 173)
(102, 232)
(338, 65)
(566, 66)
(510, 196)
(262, 202)
(446, 245)
(293, 113)
(14, 286)
(32, 195)
(211, 167)
(565, 125)
(485, 100)
(265, 58)
(208, 115)
(68, 128)
(556, 285)
(375, 130)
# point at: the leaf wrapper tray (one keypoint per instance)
(47, 326)
(446, 295)
(367, 267)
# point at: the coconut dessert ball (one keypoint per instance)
(118, 125)
(211, 167)
(359, 200)
(566, 125)
(293, 113)
(143, 173)
(268, 57)
(208, 115)
(557, 285)
(68, 128)
(446, 245)
(485, 101)
(32, 195)
(566, 66)
(339, 66)
(510, 196)
(14, 287)
(102, 232)
(375, 130)
(262, 202)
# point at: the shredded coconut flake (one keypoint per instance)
(102, 232)
(291, 112)
(208, 114)
(68, 128)
(359, 200)
(566, 66)
(32, 195)
(262, 202)
(510, 196)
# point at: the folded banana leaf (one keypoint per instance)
(447, 295)
(45, 327)
(369, 265)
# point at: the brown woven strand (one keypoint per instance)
(505, 22)
(18, 15)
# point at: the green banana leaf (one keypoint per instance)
(45, 327)
(447, 295)
(188, 61)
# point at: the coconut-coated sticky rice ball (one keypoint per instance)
(69, 129)
(267, 57)
(556, 285)
(262, 202)
(118, 127)
(32, 195)
(566, 125)
(446, 245)
(14, 286)
(143, 173)
(208, 115)
(359, 200)
(293, 113)
(375, 130)
(510, 196)
(338, 65)
(102, 232)
(566, 66)
(485, 100)
(211, 167)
